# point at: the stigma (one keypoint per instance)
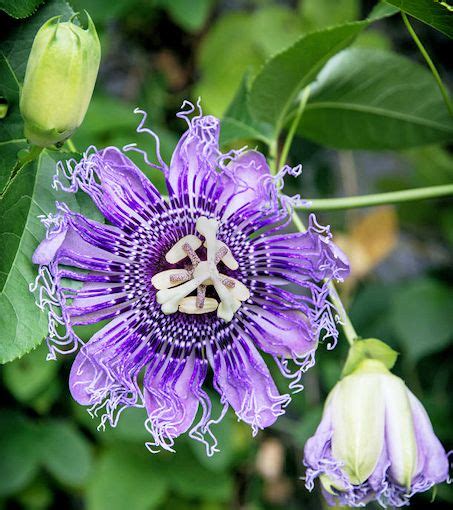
(175, 286)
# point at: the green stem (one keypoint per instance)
(430, 63)
(71, 145)
(393, 197)
(348, 329)
(273, 156)
(346, 324)
(292, 130)
(28, 155)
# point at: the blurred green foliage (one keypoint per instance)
(155, 54)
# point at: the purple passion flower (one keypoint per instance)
(375, 442)
(201, 279)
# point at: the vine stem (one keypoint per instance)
(392, 197)
(430, 63)
(71, 145)
(292, 130)
(348, 328)
(346, 324)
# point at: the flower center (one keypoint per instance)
(175, 285)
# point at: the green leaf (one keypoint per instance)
(11, 125)
(277, 85)
(30, 375)
(65, 452)
(432, 12)
(8, 159)
(237, 123)
(371, 348)
(19, 457)
(30, 194)
(354, 107)
(126, 477)
(19, 8)
(422, 316)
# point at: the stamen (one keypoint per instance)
(179, 278)
(170, 278)
(199, 275)
(201, 295)
(228, 282)
(227, 257)
(177, 253)
(220, 254)
(194, 258)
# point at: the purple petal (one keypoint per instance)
(319, 444)
(89, 380)
(244, 182)
(48, 247)
(280, 332)
(172, 396)
(432, 459)
(194, 161)
(243, 380)
(119, 189)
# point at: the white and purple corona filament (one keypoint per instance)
(203, 278)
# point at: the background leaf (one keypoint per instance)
(422, 315)
(352, 106)
(432, 13)
(65, 453)
(30, 375)
(190, 16)
(126, 478)
(280, 80)
(238, 43)
(19, 457)
(238, 124)
(20, 8)
(316, 15)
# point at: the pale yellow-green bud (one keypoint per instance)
(375, 440)
(59, 80)
(371, 412)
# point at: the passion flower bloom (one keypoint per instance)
(201, 278)
(375, 442)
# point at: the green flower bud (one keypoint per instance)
(59, 80)
(375, 440)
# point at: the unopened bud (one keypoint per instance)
(59, 80)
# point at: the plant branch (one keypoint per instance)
(430, 63)
(392, 197)
(292, 130)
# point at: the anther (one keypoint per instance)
(190, 252)
(228, 282)
(201, 295)
(220, 254)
